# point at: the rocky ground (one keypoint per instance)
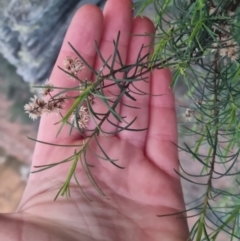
(31, 33)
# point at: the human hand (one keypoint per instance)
(148, 185)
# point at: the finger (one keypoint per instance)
(162, 132)
(82, 33)
(117, 18)
(141, 26)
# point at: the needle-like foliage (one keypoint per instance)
(82, 110)
(199, 41)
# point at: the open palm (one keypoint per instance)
(146, 187)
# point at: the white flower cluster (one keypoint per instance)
(189, 113)
(229, 48)
(81, 119)
(37, 106)
(73, 65)
(54, 104)
(225, 44)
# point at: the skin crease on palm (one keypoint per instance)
(148, 185)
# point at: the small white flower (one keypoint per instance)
(230, 49)
(35, 107)
(233, 56)
(82, 118)
(223, 52)
(189, 114)
(55, 104)
(47, 88)
(32, 111)
(73, 65)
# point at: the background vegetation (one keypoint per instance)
(199, 41)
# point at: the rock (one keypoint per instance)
(31, 33)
